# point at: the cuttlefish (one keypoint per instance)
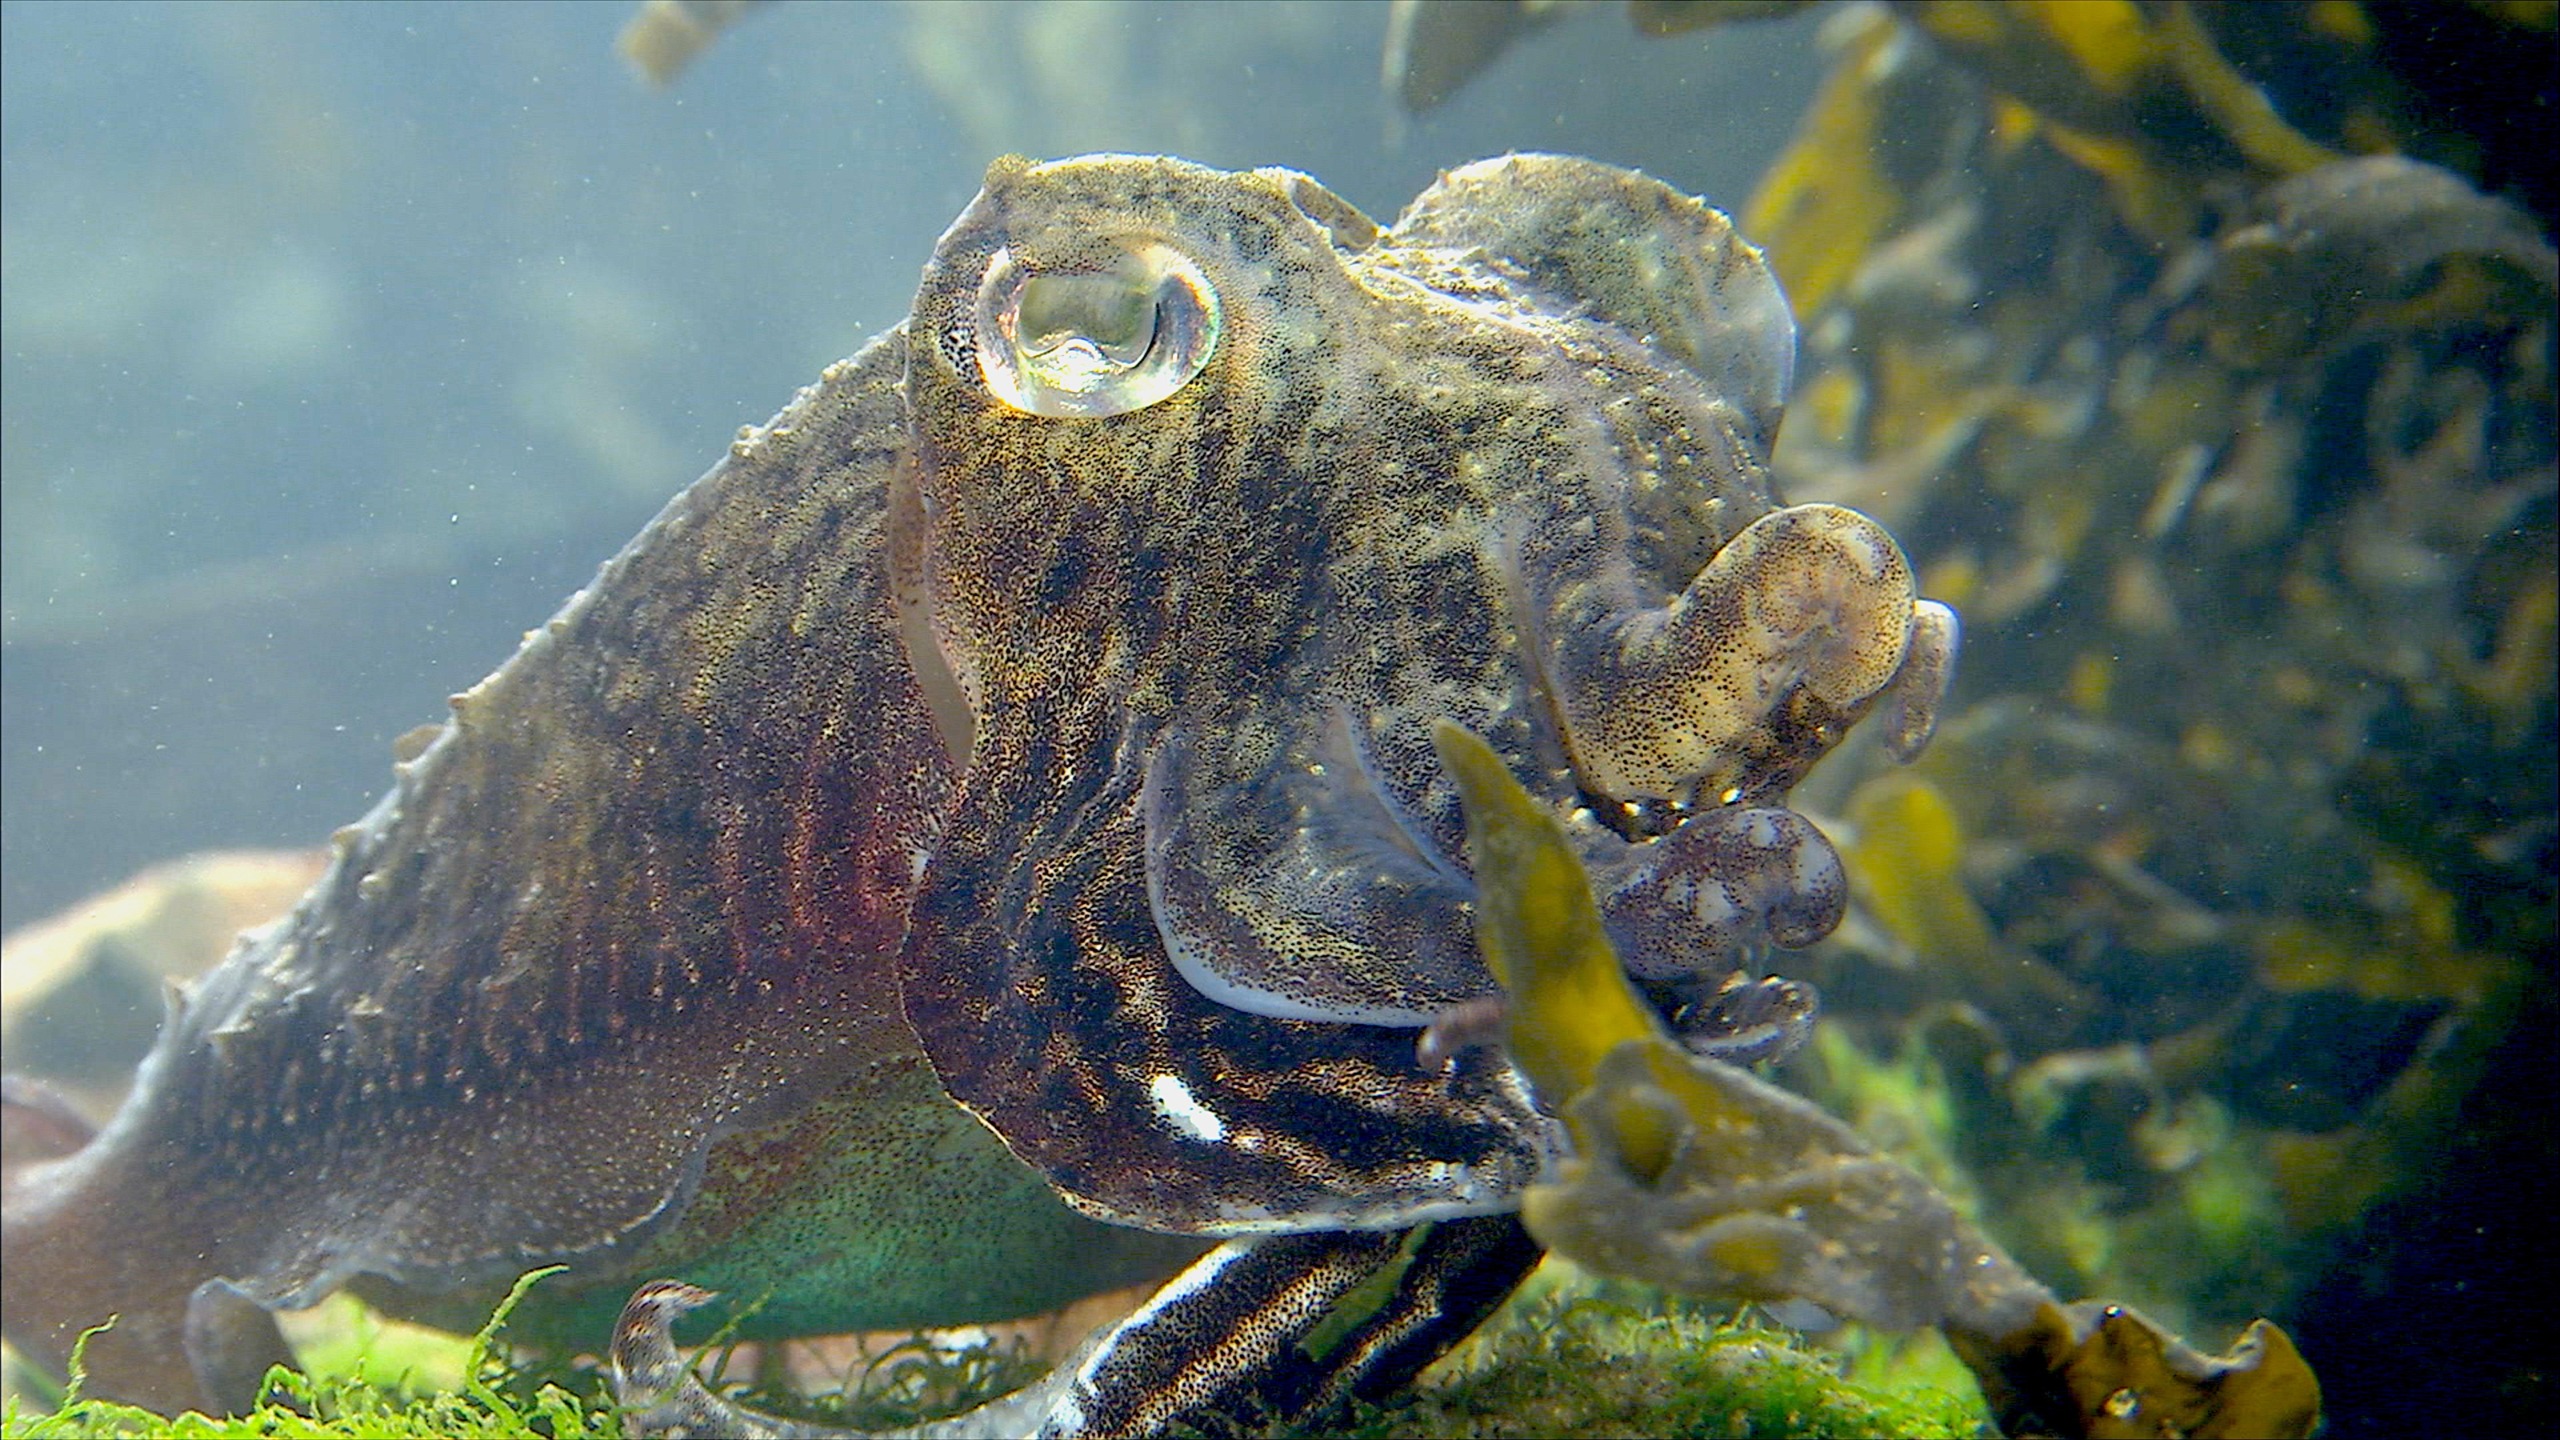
(982, 844)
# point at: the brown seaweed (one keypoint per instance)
(1699, 1176)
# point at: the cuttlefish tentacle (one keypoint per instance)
(1701, 899)
(1747, 1021)
(1810, 601)
(1919, 689)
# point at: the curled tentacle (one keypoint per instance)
(1920, 687)
(1810, 599)
(1460, 1028)
(1747, 1021)
(654, 1385)
(1320, 891)
(1701, 899)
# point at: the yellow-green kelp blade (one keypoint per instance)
(1539, 927)
(1704, 1178)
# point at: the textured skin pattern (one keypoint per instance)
(1073, 768)
(627, 923)
(1500, 463)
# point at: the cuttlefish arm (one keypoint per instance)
(1285, 1329)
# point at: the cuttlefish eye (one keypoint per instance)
(1097, 340)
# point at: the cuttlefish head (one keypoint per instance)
(1218, 497)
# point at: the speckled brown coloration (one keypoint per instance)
(635, 896)
(1081, 755)
(1454, 469)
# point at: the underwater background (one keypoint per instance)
(2208, 957)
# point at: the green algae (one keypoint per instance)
(490, 1400)
(1573, 1355)
(1572, 1362)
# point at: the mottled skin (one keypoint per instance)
(1076, 770)
(644, 890)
